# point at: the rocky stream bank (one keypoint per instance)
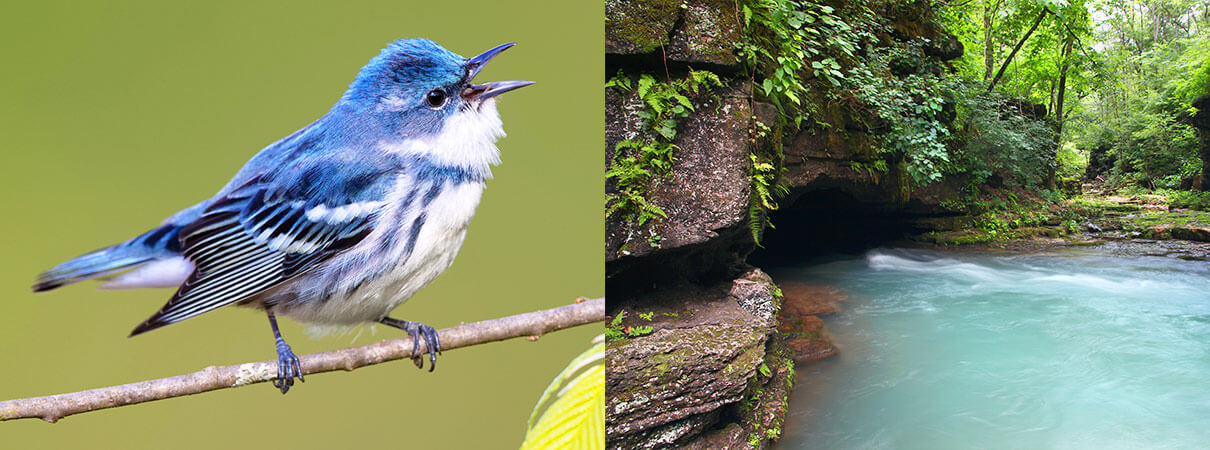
(703, 344)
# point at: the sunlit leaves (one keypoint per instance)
(787, 41)
(571, 412)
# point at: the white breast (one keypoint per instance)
(440, 239)
(401, 274)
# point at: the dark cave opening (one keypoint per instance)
(830, 221)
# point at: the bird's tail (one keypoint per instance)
(159, 243)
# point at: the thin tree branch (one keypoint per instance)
(534, 324)
(1000, 73)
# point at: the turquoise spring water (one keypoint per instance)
(1067, 349)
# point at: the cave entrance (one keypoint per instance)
(829, 221)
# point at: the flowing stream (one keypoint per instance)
(1061, 349)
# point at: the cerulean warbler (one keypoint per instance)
(338, 223)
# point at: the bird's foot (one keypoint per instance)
(419, 331)
(288, 367)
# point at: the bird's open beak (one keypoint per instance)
(488, 90)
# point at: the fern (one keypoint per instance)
(767, 187)
(632, 170)
(637, 163)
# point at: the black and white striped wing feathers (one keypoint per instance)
(250, 241)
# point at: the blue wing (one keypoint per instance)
(273, 228)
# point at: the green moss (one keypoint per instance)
(905, 185)
(1148, 220)
(754, 440)
(765, 402)
(640, 26)
(1095, 203)
(960, 237)
(745, 360)
(711, 30)
(662, 364)
(691, 343)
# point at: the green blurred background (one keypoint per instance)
(115, 116)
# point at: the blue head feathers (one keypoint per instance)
(422, 81)
(406, 69)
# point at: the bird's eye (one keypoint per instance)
(435, 97)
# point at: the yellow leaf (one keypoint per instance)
(571, 412)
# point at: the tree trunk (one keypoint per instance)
(1050, 97)
(989, 52)
(1059, 116)
(1017, 48)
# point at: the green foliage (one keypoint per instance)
(1056, 66)
(638, 162)
(1194, 64)
(1124, 73)
(1153, 149)
(767, 186)
(666, 102)
(1152, 66)
(1072, 163)
(642, 330)
(571, 411)
(788, 39)
(754, 440)
(773, 433)
(615, 331)
(909, 106)
(1164, 150)
(874, 169)
(632, 168)
(1071, 226)
(994, 27)
(991, 222)
(998, 139)
(1012, 213)
(786, 43)
(1187, 199)
(1051, 196)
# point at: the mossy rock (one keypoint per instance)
(766, 402)
(1034, 232)
(956, 238)
(916, 19)
(1123, 207)
(639, 26)
(692, 31)
(711, 29)
(675, 374)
